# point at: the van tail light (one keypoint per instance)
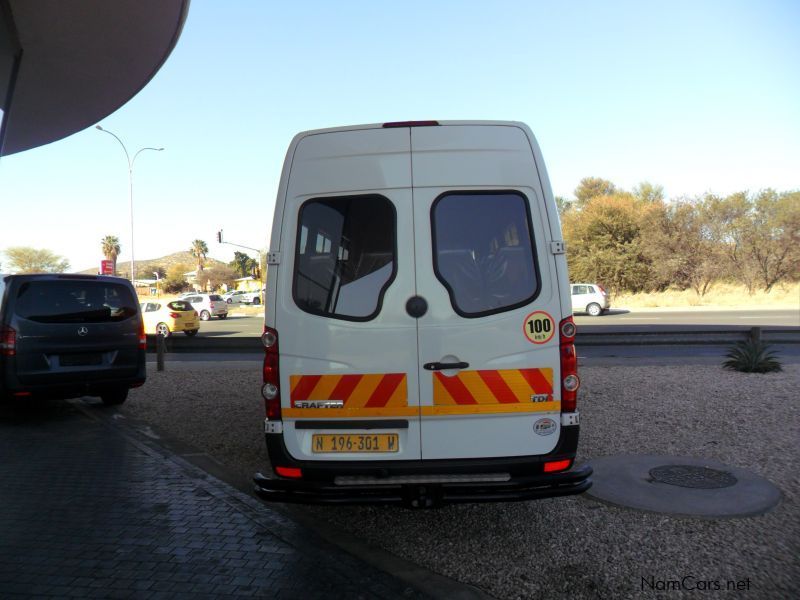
(554, 466)
(290, 472)
(8, 341)
(569, 366)
(142, 337)
(271, 389)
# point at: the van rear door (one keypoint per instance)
(348, 350)
(488, 345)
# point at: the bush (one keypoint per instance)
(752, 356)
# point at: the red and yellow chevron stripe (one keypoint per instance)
(382, 394)
(506, 386)
(386, 394)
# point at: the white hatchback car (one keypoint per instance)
(207, 305)
(590, 298)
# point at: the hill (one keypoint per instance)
(145, 268)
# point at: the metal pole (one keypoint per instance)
(131, 162)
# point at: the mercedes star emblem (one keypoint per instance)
(83, 330)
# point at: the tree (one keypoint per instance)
(243, 264)
(680, 251)
(215, 276)
(647, 192)
(772, 238)
(199, 250)
(759, 235)
(175, 281)
(563, 204)
(24, 259)
(604, 243)
(110, 247)
(593, 187)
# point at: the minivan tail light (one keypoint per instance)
(142, 337)
(570, 382)
(271, 390)
(8, 341)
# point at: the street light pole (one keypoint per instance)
(130, 187)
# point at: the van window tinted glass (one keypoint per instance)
(345, 257)
(483, 251)
(74, 301)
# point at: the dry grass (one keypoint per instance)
(724, 295)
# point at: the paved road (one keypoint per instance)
(89, 510)
(239, 323)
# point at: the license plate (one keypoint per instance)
(355, 442)
(81, 360)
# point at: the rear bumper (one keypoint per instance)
(426, 495)
(74, 386)
(425, 483)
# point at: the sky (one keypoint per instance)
(695, 96)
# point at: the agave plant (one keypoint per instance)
(752, 356)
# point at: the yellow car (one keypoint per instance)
(164, 318)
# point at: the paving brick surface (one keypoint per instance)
(87, 511)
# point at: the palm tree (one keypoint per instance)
(199, 250)
(111, 248)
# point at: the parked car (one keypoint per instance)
(65, 336)
(473, 397)
(590, 298)
(253, 297)
(234, 297)
(208, 305)
(166, 318)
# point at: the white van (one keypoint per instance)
(419, 336)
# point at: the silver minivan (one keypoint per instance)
(64, 336)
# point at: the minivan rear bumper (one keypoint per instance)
(425, 484)
(54, 388)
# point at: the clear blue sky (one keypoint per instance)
(694, 96)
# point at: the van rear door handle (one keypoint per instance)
(437, 366)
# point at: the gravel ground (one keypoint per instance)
(572, 547)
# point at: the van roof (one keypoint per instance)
(417, 123)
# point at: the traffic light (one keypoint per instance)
(219, 236)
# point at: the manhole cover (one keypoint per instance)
(690, 476)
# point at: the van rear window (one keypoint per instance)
(345, 256)
(74, 301)
(483, 251)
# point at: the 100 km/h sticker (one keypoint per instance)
(539, 327)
